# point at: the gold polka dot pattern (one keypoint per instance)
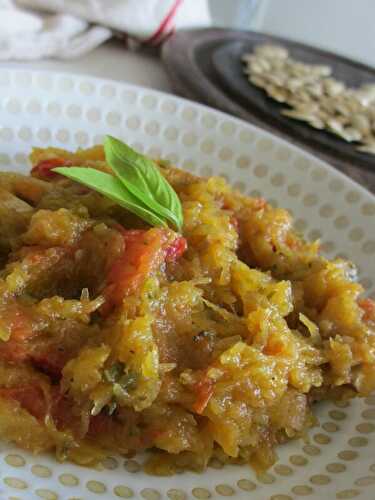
(246, 485)
(41, 471)
(322, 438)
(96, 486)
(358, 441)
(280, 497)
(266, 478)
(302, 490)
(15, 460)
(311, 450)
(337, 415)
(347, 494)
(175, 494)
(261, 170)
(110, 463)
(320, 479)
(151, 494)
(123, 491)
(108, 91)
(347, 455)
(68, 480)
(335, 468)
(209, 120)
(365, 481)
(283, 470)
(16, 483)
(365, 428)
(71, 111)
(201, 493)
(46, 494)
(298, 460)
(224, 490)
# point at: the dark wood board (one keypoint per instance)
(229, 70)
(192, 61)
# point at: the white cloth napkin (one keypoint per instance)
(35, 29)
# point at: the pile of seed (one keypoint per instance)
(314, 96)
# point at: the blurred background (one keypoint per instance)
(29, 29)
(175, 46)
(343, 26)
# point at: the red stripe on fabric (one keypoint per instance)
(165, 36)
(159, 34)
(169, 29)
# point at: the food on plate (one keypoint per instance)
(314, 96)
(142, 307)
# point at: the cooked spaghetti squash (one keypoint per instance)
(120, 337)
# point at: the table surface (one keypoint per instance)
(113, 61)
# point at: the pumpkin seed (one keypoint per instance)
(353, 133)
(367, 148)
(333, 87)
(298, 115)
(314, 96)
(316, 123)
(362, 123)
(277, 94)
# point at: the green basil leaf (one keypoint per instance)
(141, 176)
(112, 188)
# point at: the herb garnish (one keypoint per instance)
(136, 185)
(114, 372)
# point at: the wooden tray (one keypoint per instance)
(205, 65)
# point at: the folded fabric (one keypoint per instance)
(34, 29)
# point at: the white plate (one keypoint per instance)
(40, 109)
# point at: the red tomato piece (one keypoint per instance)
(176, 249)
(235, 223)
(273, 348)
(259, 203)
(144, 252)
(15, 349)
(44, 169)
(368, 306)
(204, 390)
(149, 436)
(62, 410)
(100, 424)
(51, 363)
(30, 397)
